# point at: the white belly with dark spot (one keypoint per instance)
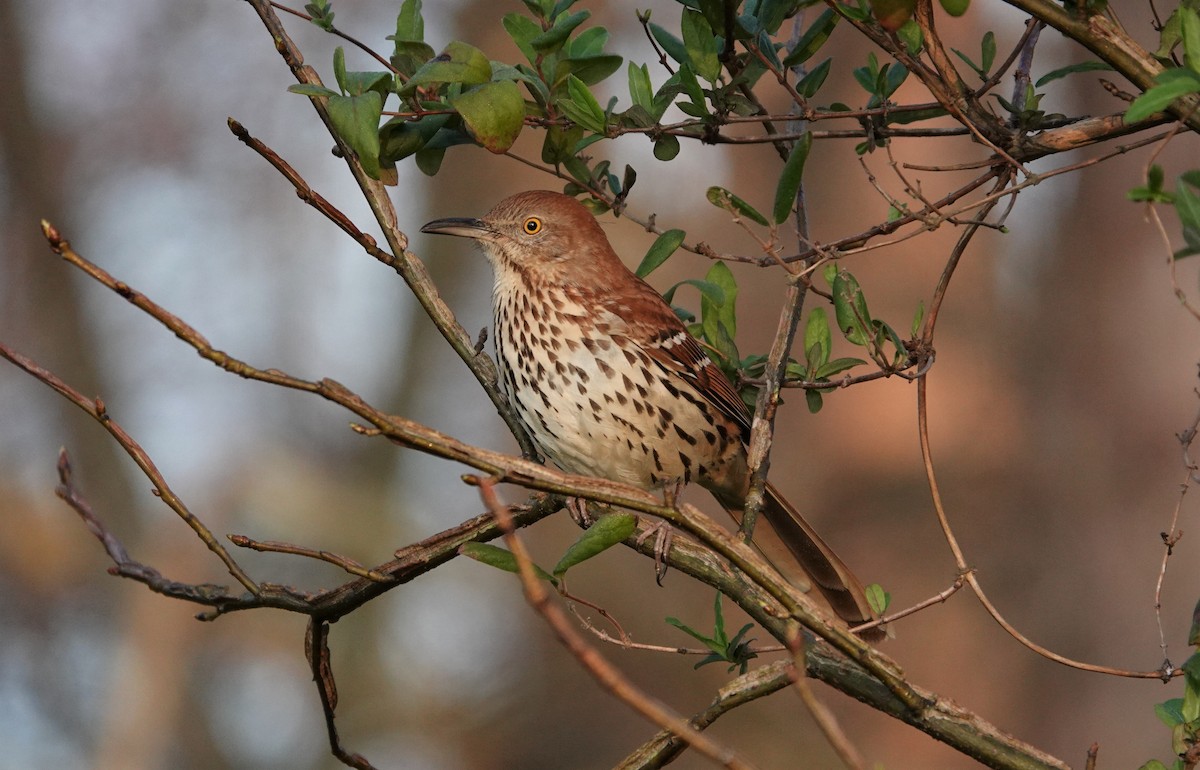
(589, 402)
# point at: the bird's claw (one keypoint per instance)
(663, 534)
(577, 507)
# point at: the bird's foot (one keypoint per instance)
(663, 533)
(577, 507)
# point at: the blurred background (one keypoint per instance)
(1065, 369)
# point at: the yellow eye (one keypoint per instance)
(532, 226)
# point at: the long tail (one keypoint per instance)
(790, 539)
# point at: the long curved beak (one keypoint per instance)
(466, 227)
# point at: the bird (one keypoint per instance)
(609, 382)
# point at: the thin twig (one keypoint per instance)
(316, 648)
(821, 714)
(938, 598)
(935, 493)
(345, 562)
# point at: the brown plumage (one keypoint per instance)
(609, 382)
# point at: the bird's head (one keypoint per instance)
(544, 233)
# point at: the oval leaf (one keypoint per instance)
(459, 63)
(499, 558)
(664, 246)
(701, 45)
(494, 114)
(878, 598)
(356, 120)
(813, 38)
(582, 107)
(789, 181)
(666, 147)
(552, 39)
(816, 332)
(723, 199)
(850, 307)
(601, 536)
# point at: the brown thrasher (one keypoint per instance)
(609, 383)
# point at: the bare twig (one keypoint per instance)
(821, 714)
(316, 648)
(345, 562)
(935, 493)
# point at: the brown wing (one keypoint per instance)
(661, 335)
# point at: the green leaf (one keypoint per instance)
(1190, 28)
(836, 366)
(522, 30)
(850, 307)
(589, 69)
(812, 82)
(918, 317)
(878, 598)
(306, 89)
(910, 34)
(1172, 84)
(320, 14)
(715, 314)
(671, 44)
(1062, 72)
(723, 199)
(588, 43)
(1187, 206)
(664, 246)
(339, 67)
(358, 83)
(813, 38)
(816, 333)
(582, 107)
(559, 142)
(493, 113)
(955, 7)
(356, 120)
(814, 400)
(1194, 632)
(408, 56)
(552, 39)
(409, 24)
(604, 534)
(666, 147)
(701, 45)
(892, 14)
(896, 75)
(988, 50)
(499, 558)
(399, 138)
(788, 186)
(687, 80)
(1170, 36)
(707, 290)
(458, 63)
(641, 92)
(429, 160)
(1170, 712)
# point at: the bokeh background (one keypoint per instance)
(1065, 369)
